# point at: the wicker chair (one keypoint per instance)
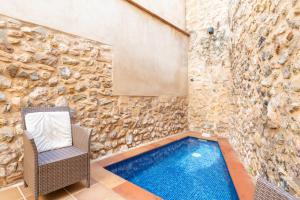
(51, 170)
(267, 191)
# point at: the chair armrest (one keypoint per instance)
(81, 138)
(30, 160)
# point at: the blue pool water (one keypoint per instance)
(188, 169)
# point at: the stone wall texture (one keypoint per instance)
(44, 67)
(245, 82)
(210, 82)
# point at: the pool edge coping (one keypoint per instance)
(243, 183)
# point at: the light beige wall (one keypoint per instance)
(150, 58)
(171, 10)
(210, 100)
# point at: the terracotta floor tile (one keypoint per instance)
(26, 191)
(164, 142)
(57, 195)
(98, 191)
(123, 156)
(111, 160)
(105, 177)
(178, 137)
(70, 198)
(11, 194)
(72, 188)
(75, 188)
(132, 192)
(80, 186)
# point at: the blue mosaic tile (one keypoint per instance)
(188, 169)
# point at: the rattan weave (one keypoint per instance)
(48, 171)
(267, 191)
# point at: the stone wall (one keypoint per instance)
(245, 82)
(210, 82)
(266, 74)
(43, 67)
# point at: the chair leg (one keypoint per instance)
(88, 178)
(88, 182)
(25, 184)
(36, 196)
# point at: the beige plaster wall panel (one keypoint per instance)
(150, 57)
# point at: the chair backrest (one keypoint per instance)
(25, 111)
(49, 126)
(268, 191)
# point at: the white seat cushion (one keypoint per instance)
(50, 130)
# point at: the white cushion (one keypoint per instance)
(50, 130)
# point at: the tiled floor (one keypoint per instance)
(76, 191)
(108, 186)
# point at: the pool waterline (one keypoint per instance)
(181, 170)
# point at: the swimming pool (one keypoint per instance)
(188, 169)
